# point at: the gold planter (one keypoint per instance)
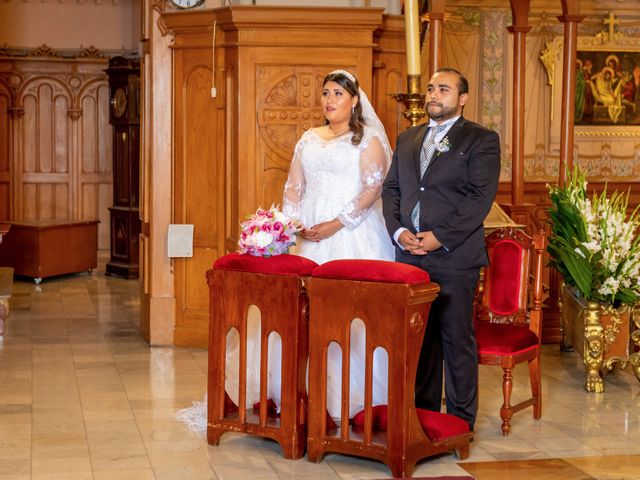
(603, 336)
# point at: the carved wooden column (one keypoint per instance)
(519, 211)
(568, 93)
(520, 27)
(435, 17)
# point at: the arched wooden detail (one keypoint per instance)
(6, 102)
(59, 153)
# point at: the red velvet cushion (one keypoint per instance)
(503, 339)
(506, 263)
(284, 264)
(372, 271)
(437, 426)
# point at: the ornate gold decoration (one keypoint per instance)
(44, 51)
(606, 133)
(91, 52)
(634, 358)
(549, 57)
(593, 348)
(602, 334)
(612, 330)
(413, 100)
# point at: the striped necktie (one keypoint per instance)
(426, 155)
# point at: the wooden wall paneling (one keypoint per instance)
(46, 100)
(198, 183)
(94, 172)
(5, 152)
(59, 162)
(232, 157)
(390, 75)
(274, 100)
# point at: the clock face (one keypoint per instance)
(187, 3)
(119, 102)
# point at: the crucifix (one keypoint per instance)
(610, 19)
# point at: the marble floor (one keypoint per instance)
(82, 396)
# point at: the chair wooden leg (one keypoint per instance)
(536, 386)
(400, 466)
(463, 452)
(505, 412)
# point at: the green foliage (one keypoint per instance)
(593, 244)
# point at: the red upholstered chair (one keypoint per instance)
(276, 286)
(509, 313)
(393, 302)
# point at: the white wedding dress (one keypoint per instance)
(335, 179)
(328, 179)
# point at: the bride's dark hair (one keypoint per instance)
(356, 122)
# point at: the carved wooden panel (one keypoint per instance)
(198, 188)
(5, 151)
(57, 145)
(288, 105)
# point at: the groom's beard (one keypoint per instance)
(438, 112)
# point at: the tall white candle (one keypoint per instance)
(412, 36)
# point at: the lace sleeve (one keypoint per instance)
(373, 168)
(294, 188)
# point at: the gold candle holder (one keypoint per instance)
(414, 100)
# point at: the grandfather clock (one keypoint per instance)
(124, 116)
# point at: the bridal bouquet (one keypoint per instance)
(267, 233)
(594, 242)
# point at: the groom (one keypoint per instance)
(440, 187)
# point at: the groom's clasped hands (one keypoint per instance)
(420, 243)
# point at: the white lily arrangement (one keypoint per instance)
(594, 242)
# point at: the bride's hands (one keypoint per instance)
(322, 230)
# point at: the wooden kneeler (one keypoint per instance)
(393, 301)
(276, 286)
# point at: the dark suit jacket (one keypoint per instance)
(456, 193)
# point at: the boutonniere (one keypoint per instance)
(443, 145)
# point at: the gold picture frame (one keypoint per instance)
(606, 63)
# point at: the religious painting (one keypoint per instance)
(607, 88)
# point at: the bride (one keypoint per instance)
(336, 178)
(333, 190)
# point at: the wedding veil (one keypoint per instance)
(370, 117)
